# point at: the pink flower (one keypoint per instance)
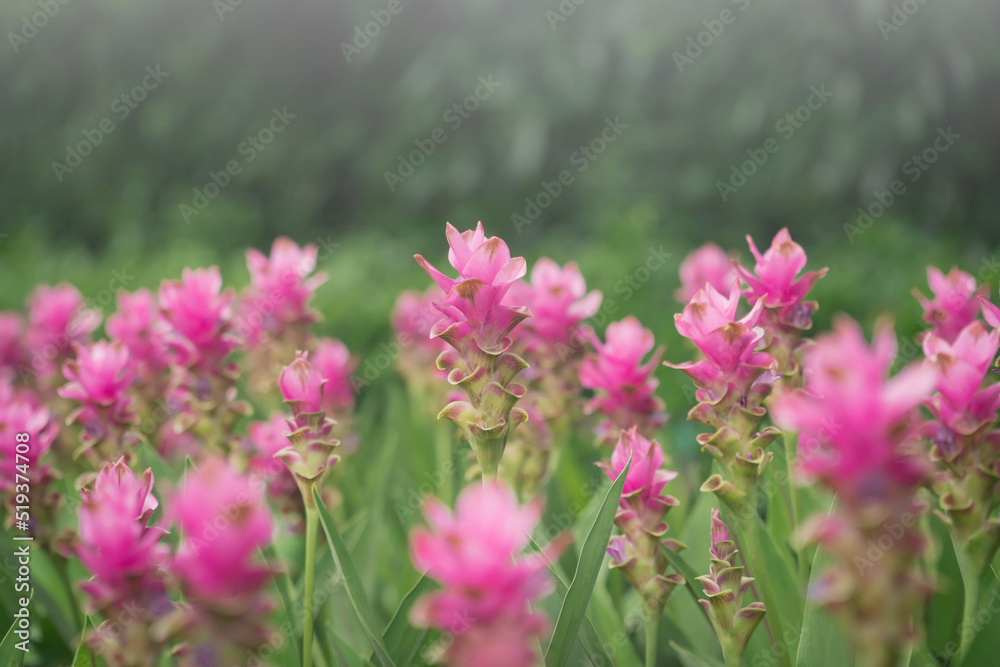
(473, 302)
(302, 385)
(200, 314)
(266, 439)
(708, 265)
(415, 315)
(642, 496)
(21, 413)
(56, 319)
(854, 423)
(558, 300)
(476, 554)
(11, 353)
(116, 545)
(99, 376)
(506, 641)
(774, 282)
(333, 360)
(225, 522)
(625, 387)
(955, 303)
(138, 326)
(962, 366)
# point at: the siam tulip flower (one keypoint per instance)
(413, 317)
(333, 360)
(200, 315)
(283, 281)
(309, 456)
(21, 412)
(488, 586)
(965, 441)
(98, 379)
(126, 558)
(774, 284)
(640, 517)
(137, 325)
(725, 587)
(857, 431)
(265, 439)
(955, 304)
(708, 265)
(478, 326)
(225, 523)
(624, 386)
(11, 351)
(57, 318)
(990, 312)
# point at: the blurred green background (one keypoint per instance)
(698, 85)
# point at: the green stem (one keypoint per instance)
(62, 567)
(753, 560)
(312, 525)
(791, 452)
(652, 620)
(729, 653)
(970, 584)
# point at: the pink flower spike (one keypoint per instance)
(333, 361)
(558, 300)
(990, 312)
(99, 376)
(138, 326)
(302, 385)
(708, 265)
(955, 304)
(642, 495)
(964, 363)
(773, 280)
(200, 313)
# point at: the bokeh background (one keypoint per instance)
(695, 85)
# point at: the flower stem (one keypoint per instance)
(970, 584)
(312, 525)
(652, 620)
(791, 449)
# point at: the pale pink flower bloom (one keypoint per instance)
(624, 386)
(559, 302)
(200, 313)
(267, 438)
(642, 498)
(773, 280)
(476, 554)
(507, 641)
(302, 385)
(708, 265)
(225, 523)
(116, 545)
(20, 412)
(955, 303)
(333, 361)
(99, 376)
(57, 318)
(962, 366)
(855, 423)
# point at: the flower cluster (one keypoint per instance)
(477, 326)
(708, 265)
(624, 386)
(488, 585)
(57, 318)
(638, 551)
(725, 587)
(858, 438)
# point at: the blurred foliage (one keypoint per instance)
(322, 179)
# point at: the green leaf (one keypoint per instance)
(689, 575)
(355, 591)
(821, 641)
(10, 655)
(283, 585)
(983, 648)
(402, 639)
(591, 558)
(689, 659)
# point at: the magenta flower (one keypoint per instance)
(333, 360)
(116, 545)
(472, 307)
(20, 412)
(624, 386)
(559, 302)
(11, 352)
(302, 385)
(99, 376)
(774, 281)
(266, 439)
(412, 319)
(139, 328)
(962, 366)
(955, 304)
(57, 318)
(990, 312)
(854, 422)
(642, 496)
(200, 314)
(476, 554)
(708, 265)
(478, 326)
(225, 522)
